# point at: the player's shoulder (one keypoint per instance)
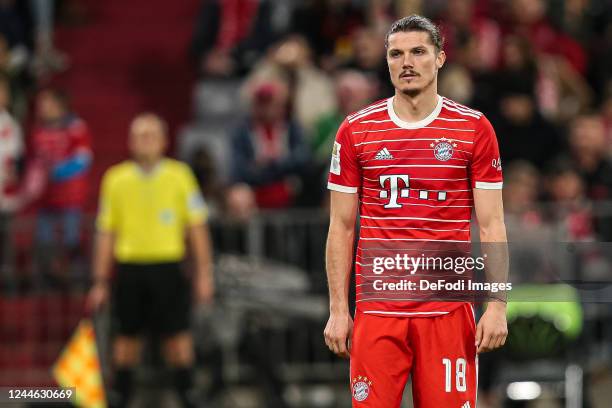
(455, 111)
(368, 114)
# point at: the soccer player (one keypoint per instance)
(413, 166)
(147, 206)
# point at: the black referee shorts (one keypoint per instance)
(151, 298)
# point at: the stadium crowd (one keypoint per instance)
(540, 70)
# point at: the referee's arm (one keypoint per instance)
(199, 239)
(103, 253)
(102, 263)
(196, 216)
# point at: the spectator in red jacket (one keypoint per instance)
(62, 143)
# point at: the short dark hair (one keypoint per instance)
(416, 22)
(59, 95)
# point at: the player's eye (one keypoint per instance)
(418, 51)
(394, 54)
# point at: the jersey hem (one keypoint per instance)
(485, 185)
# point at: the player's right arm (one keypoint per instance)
(344, 181)
(339, 258)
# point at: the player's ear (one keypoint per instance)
(440, 59)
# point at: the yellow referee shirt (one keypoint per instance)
(148, 213)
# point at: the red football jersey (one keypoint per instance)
(414, 181)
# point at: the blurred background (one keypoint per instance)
(254, 91)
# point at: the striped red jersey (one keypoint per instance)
(414, 181)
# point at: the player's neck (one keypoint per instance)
(415, 108)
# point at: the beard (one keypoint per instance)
(412, 93)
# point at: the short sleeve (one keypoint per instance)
(106, 220)
(195, 206)
(485, 166)
(344, 174)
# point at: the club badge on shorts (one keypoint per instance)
(443, 149)
(361, 388)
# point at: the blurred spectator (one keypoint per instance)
(456, 83)
(575, 18)
(328, 26)
(525, 222)
(311, 91)
(354, 90)
(530, 20)
(11, 149)
(521, 189)
(369, 57)
(571, 209)
(461, 22)
(590, 152)
(522, 132)
(268, 149)
(62, 144)
(231, 35)
(241, 203)
(560, 92)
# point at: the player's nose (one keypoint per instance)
(408, 62)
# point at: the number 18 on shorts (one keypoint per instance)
(437, 353)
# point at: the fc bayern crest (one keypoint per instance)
(361, 388)
(443, 149)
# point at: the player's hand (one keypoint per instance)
(338, 333)
(204, 289)
(492, 328)
(98, 296)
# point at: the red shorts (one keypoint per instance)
(439, 352)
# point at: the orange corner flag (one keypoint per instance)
(79, 366)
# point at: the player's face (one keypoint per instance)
(147, 140)
(413, 61)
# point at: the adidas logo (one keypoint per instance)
(466, 405)
(384, 154)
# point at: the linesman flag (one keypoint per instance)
(79, 366)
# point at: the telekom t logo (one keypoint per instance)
(399, 186)
(394, 187)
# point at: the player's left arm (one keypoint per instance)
(492, 328)
(487, 183)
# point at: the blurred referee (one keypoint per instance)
(147, 207)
